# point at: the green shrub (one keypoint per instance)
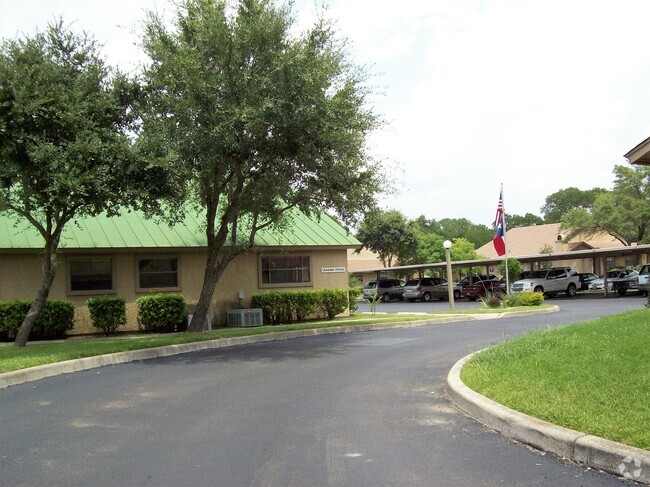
(528, 298)
(353, 294)
(332, 302)
(271, 305)
(162, 312)
(107, 313)
(53, 322)
(304, 304)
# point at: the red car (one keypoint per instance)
(481, 288)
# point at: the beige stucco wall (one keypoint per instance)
(20, 278)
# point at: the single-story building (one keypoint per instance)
(130, 256)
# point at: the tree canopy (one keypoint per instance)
(388, 234)
(623, 212)
(259, 120)
(563, 201)
(527, 220)
(65, 145)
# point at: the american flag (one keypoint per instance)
(499, 215)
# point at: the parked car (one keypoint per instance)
(481, 288)
(644, 273)
(440, 290)
(424, 289)
(550, 281)
(465, 281)
(385, 289)
(586, 278)
(619, 280)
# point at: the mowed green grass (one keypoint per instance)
(593, 377)
(15, 358)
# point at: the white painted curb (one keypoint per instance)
(616, 458)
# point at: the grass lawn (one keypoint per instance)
(592, 377)
(15, 358)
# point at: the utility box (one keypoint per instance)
(242, 318)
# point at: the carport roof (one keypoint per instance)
(133, 230)
(640, 154)
(557, 256)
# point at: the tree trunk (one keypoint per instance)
(49, 271)
(213, 272)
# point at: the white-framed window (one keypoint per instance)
(90, 274)
(285, 270)
(158, 272)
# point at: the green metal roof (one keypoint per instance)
(132, 230)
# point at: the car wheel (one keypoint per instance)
(426, 297)
(411, 300)
(571, 290)
(472, 298)
(622, 292)
(400, 297)
(385, 297)
(456, 294)
(539, 289)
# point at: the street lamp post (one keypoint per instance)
(450, 284)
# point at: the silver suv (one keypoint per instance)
(385, 289)
(550, 282)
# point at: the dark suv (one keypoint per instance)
(385, 289)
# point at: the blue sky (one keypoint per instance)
(537, 95)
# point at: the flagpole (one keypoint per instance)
(505, 241)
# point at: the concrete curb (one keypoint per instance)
(622, 460)
(42, 371)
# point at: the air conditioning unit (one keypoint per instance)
(245, 317)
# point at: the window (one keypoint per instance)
(91, 274)
(158, 273)
(286, 269)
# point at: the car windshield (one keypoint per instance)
(413, 282)
(370, 285)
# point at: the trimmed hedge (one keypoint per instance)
(162, 312)
(528, 298)
(333, 302)
(53, 322)
(286, 306)
(107, 313)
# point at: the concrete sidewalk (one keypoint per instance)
(616, 458)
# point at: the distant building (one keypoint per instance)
(527, 241)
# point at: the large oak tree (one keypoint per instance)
(65, 145)
(260, 119)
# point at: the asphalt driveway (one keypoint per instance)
(360, 409)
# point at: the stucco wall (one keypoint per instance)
(20, 278)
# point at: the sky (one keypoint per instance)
(537, 95)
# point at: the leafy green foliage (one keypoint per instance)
(286, 306)
(55, 319)
(514, 269)
(527, 220)
(561, 202)
(623, 212)
(388, 234)
(107, 313)
(161, 312)
(528, 298)
(332, 302)
(66, 127)
(353, 294)
(258, 119)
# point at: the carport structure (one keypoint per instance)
(598, 257)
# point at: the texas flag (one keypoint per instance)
(500, 222)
